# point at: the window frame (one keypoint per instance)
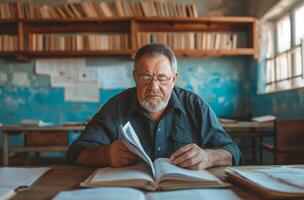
(292, 81)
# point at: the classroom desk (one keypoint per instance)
(8, 130)
(67, 177)
(252, 131)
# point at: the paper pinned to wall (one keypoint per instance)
(85, 91)
(88, 74)
(58, 67)
(63, 81)
(114, 77)
(20, 79)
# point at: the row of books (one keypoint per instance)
(8, 10)
(190, 40)
(78, 42)
(118, 8)
(8, 42)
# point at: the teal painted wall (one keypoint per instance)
(222, 82)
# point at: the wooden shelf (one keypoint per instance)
(39, 54)
(131, 26)
(215, 53)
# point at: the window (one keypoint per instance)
(285, 58)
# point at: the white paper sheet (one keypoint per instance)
(82, 91)
(218, 194)
(88, 74)
(16, 177)
(57, 66)
(113, 193)
(114, 77)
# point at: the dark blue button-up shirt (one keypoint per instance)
(187, 119)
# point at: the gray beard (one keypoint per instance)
(154, 107)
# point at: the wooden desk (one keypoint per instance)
(253, 131)
(65, 177)
(14, 129)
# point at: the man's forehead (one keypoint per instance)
(150, 62)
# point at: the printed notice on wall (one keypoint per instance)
(58, 67)
(114, 77)
(81, 82)
(87, 91)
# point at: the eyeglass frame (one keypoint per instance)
(156, 78)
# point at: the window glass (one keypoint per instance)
(299, 24)
(283, 34)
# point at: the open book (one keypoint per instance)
(17, 179)
(157, 175)
(118, 193)
(271, 181)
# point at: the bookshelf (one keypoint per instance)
(95, 36)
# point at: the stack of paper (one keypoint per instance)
(15, 179)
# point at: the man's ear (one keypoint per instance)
(175, 76)
(134, 76)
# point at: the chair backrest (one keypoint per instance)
(289, 142)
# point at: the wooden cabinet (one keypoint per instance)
(122, 36)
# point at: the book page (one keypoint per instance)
(290, 175)
(267, 182)
(113, 193)
(202, 194)
(129, 137)
(20, 178)
(167, 171)
(137, 176)
(6, 193)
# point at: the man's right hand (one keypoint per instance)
(119, 155)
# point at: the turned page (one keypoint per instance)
(130, 139)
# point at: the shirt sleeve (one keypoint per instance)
(96, 133)
(214, 136)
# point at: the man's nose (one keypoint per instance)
(154, 83)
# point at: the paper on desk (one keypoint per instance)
(129, 137)
(260, 178)
(20, 178)
(113, 193)
(216, 194)
(290, 175)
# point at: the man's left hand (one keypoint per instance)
(191, 156)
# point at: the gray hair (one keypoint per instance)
(154, 49)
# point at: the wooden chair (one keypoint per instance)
(288, 145)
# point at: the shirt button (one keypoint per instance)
(158, 148)
(159, 129)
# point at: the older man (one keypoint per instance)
(170, 122)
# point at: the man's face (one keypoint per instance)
(154, 82)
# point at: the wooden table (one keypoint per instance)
(65, 177)
(16, 129)
(252, 131)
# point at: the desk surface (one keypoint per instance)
(17, 128)
(65, 177)
(12, 128)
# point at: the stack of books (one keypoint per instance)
(77, 42)
(118, 8)
(190, 40)
(8, 42)
(271, 181)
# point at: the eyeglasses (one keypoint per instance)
(160, 80)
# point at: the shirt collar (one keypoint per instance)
(175, 102)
